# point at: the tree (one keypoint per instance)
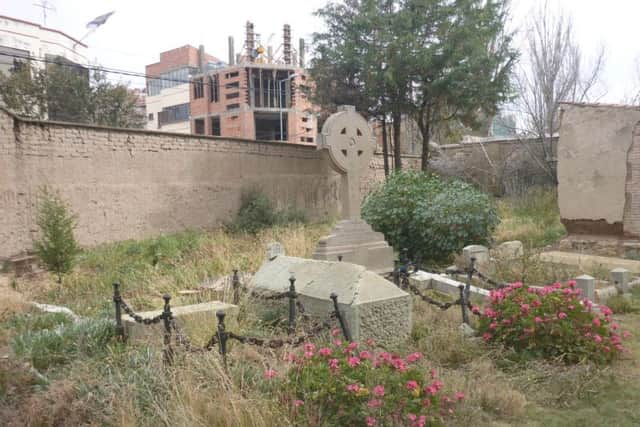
(554, 70)
(438, 60)
(57, 246)
(462, 60)
(68, 92)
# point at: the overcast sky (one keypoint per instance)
(141, 29)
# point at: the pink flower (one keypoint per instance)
(571, 307)
(374, 403)
(352, 346)
(309, 347)
(412, 417)
(334, 364)
(434, 373)
(308, 354)
(626, 334)
(524, 308)
(289, 357)
(370, 342)
(614, 326)
(399, 365)
(270, 373)
(371, 421)
(596, 321)
(606, 349)
(597, 338)
(459, 395)
(353, 361)
(536, 303)
(537, 319)
(493, 325)
(337, 343)
(325, 351)
(353, 388)
(298, 403)
(606, 310)
(562, 315)
(571, 283)
(487, 336)
(335, 332)
(506, 321)
(412, 385)
(475, 309)
(413, 357)
(365, 355)
(378, 390)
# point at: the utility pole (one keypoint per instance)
(45, 6)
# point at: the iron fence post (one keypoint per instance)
(341, 320)
(292, 304)
(117, 298)
(167, 317)
(222, 336)
(236, 287)
(463, 305)
(396, 272)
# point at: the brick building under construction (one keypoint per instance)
(258, 95)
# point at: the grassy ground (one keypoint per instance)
(54, 372)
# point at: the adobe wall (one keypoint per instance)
(598, 169)
(127, 184)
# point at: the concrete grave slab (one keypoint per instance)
(479, 252)
(373, 307)
(587, 261)
(442, 283)
(197, 321)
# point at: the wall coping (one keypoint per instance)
(37, 122)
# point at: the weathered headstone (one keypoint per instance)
(348, 138)
(620, 278)
(588, 286)
(509, 250)
(479, 252)
(373, 307)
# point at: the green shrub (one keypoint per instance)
(550, 322)
(63, 343)
(57, 246)
(352, 384)
(257, 212)
(429, 216)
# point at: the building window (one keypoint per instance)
(198, 88)
(12, 60)
(214, 88)
(175, 113)
(199, 126)
(232, 75)
(215, 126)
(150, 116)
(169, 79)
(233, 85)
(233, 95)
(233, 106)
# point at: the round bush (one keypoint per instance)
(429, 216)
(550, 322)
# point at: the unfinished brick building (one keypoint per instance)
(256, 96)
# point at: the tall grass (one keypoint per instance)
(532, 218)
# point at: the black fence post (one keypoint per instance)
(117, 298)
(343, 324)
(167, 317)
(463, 305)
(236, 287)
(396, 272)
(292, 304)
(340, 258)
(222, 336)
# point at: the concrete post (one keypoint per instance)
(620, 278)
(588, 286)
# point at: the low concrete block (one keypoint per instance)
(198, 321)
(479, 252)
(509, 250)
(620, 277)
(588, 286)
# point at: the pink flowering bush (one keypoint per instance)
(549, 322)
(352, 384)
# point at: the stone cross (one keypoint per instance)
(349, 140)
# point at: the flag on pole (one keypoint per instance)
(99, 20)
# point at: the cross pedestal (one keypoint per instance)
(349, 140)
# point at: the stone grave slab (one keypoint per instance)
(347, 137)
(197, 321)
(583, 260)
(373, 307)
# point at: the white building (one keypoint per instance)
(19, 38)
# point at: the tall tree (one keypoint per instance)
(554, 70)
(66, 92)
(462, 60)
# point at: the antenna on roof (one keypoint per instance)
(45, 6)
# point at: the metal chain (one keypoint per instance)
(136, 317)
(280, 342)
